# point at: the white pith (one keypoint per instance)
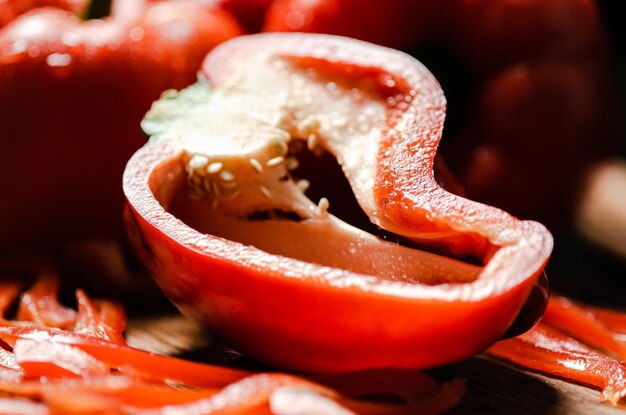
(235, 140)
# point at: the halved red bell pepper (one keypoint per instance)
(232, 240)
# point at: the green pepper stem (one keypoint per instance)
(97, 9)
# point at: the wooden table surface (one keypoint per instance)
(493, 387)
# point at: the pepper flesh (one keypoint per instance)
(279, 309)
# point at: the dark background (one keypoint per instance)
(578, 268)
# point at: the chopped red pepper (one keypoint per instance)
(576, 342)
(52, 360)
(111, 314)
(230, 239)
(90, 322)
(548, 350)
(9, 369)
(612, 319)
(40, 305)
(582, 324)
(50, 370)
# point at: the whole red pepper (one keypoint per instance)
(218, 218)
(11, 9)
(72, 94)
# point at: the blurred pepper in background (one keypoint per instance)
(72, 94)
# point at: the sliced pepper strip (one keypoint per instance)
(312, 317)
(249, 395)
(142, 363)
(113, 394)
(583, 325)
(89, 321)
(10, 370)
(547, 350)
(78, 382)
(612, 319)
(40, 304)
(108, 392)
(54, 360)
(16, 406)
(112, 314)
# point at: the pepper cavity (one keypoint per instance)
(353, 301)
(241, 144)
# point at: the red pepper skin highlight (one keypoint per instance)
(11, 9)
(298, 315)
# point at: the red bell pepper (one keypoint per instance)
(231, 239)
(576, 342)
(40, 305)
(72, 94)
(11, 9)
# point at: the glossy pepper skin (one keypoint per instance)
(72, 94)
(303, 316)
